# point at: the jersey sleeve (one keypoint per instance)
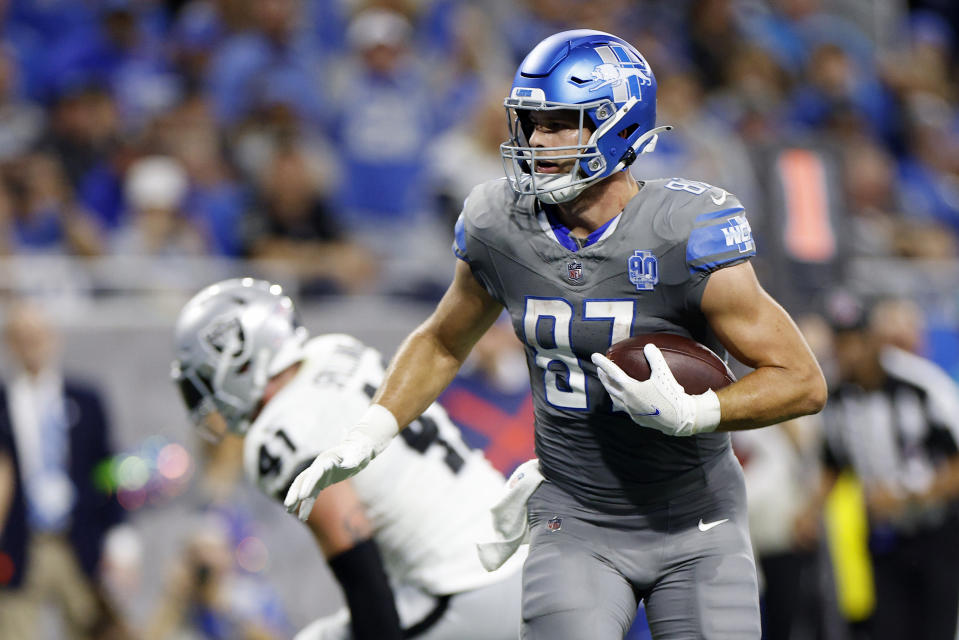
(482, 211)
(719, 237)
(711, 232)
(459, 240)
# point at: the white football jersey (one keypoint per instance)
(427, 495)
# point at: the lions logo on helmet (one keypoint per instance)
(625, 78)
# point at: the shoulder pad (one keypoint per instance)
(711, 220)
(489, 203)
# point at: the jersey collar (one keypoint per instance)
(551, 225)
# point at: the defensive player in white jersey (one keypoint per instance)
(642, 497)
(244, 363)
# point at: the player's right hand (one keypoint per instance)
(338, 463)
(660, 402)
(366, 440)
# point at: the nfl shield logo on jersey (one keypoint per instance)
(643, 270)
(574, 270)
(554, 524)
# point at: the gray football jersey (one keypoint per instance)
(643, 272)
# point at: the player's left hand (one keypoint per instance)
(337, 463)
(660, 402)
(363, 442)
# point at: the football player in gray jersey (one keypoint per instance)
(642, 497)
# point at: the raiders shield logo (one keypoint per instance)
(225, 336)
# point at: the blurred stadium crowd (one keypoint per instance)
(340, 138)
(151, 147)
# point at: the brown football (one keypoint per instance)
(694, 365)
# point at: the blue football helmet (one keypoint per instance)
(612, 87)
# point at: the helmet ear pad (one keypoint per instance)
(613, 143)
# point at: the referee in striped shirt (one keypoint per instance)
(893, 419)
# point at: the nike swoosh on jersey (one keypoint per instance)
(721, 199)
(706, 526)
(654, 413)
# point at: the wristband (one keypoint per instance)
(379, 425)
(708, 413)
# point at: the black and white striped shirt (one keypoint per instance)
(897, 435)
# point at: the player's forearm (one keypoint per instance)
(786, 381)
(429, 358)
(422, 368)
(367, 591)
(769, 395)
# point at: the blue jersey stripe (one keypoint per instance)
(459, 240)
(719, 241)
(563, 235)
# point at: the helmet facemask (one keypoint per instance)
(519, 158)
(230, 383)
(197, 394)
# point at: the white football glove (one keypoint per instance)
(659, 402)
(363, 442)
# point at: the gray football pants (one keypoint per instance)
(587, 569)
